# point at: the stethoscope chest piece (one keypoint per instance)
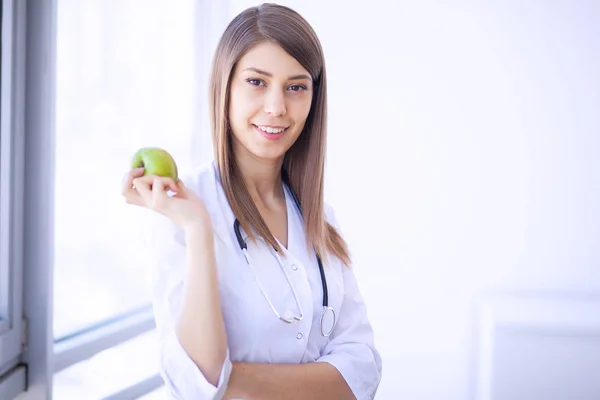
(327, 321)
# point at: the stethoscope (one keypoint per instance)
(328, 317)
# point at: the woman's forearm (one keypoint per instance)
(200, 328)
(287, 382)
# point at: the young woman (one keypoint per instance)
(255, 297)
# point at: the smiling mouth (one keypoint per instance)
(271, 133)
(271, 130)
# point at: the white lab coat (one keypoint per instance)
(254, 333)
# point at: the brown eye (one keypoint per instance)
(297, 88)
(255, 82)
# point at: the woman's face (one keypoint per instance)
(270, 98)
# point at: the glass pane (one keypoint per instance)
(109, 371)
(125, 79)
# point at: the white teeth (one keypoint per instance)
(268, 129)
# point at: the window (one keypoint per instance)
(127, 76)
(120, 86)
(84, 85)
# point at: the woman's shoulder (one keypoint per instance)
(203, 180)
(200, 178)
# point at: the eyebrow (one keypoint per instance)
(270, 75)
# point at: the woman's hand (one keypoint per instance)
(185, 208)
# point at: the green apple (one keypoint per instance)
(156, 161)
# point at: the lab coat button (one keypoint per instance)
(288, 314)
(299, 336)
(294, 267)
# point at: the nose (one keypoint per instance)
(275, 103)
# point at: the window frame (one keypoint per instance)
(82, 345)
(37, 19)
(12, 373)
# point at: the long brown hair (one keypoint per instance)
(304, 162)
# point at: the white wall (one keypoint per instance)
(463, 161)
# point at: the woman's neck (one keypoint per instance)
(261, 176)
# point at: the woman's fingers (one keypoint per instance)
(159, 194)
(127, 190)
(171, 184)
(147, 191)
(181, 189)
(153, 190)
(143, 186)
